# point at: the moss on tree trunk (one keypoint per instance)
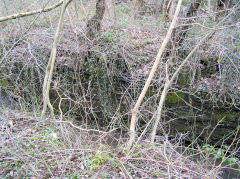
(94, 24)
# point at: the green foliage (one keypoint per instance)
(137, 146)
(110, 37)
(98, 160)
(185, 2)
(208, 148)
(90, 67)
(3, 82)
(76, 175)
(122, 10)
(200, 88)
(232, 161)
(115, 164)
(205, 60)
(106, 175)
(123, 22)
(142, 59)
(220, 154)
(149, 41)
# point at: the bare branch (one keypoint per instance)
(24, 14)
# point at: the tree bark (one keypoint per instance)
(221, 4)
(139, 8)
(209, 6)
(224, 4)
(150, 77)
(94, 24)
(171, 10)
(194, 7)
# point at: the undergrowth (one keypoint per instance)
(34, 147)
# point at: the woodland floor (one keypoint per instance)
(42, 148)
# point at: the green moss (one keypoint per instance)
(150, 41)
(173, 98)
(3, 82)
(227, 116)
(183, 80)
(205, 60)
(184, 2)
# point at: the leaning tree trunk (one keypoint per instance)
(168, 85)
(150, 77)
(94, 24)
(169, 82)
(51, 62)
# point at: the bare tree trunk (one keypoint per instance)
(225, 3)
(171, 10)
(164, 10)
(209, 6)
(194, 7)
(51, 62)
(215, 5)
(150, 77)
(139, 5)
(94, 24)
(164, 6)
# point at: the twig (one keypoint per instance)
(88, 130)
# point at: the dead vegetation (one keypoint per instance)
(45, 148)
(97, 81)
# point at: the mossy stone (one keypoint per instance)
(227, 116)
(173, 98)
